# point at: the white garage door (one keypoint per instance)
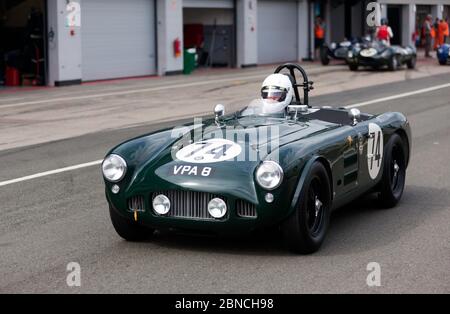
(277, 31)
(118, 38)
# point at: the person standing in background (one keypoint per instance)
(443, 31)
(384, 33)
(427, 32)
(319, 36)
(436, 33)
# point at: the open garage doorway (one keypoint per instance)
(394, 16)
(211, 31)
(23, 43)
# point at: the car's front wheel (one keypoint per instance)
(412, 62)
(128, 229)
(353, 66)
(304, 232)
(324, 58)
(394, 172)
(442, 62)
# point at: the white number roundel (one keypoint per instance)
(375, 150)
(209, 151)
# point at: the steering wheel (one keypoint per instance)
(306, 85)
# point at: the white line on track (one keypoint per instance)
(98, 162)
(48, 173)
(398, 96)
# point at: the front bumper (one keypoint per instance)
(266, 214)
(368, 61)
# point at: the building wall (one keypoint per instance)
(64, 45)
(169, 16)
(65, 49)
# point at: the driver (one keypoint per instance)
(277, 93)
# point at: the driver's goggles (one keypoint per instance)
(274, 93)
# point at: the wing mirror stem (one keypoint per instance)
(354, 115)
(219, 112)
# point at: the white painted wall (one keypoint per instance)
(169, 15)
(303, 28)
(408, 24)
(64, 50)
(247, 32)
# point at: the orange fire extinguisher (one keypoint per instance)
(177, 47)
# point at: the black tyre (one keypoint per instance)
(394, 172)
(304, 232)
(442, 62)
(324, 58)
(353, 66)
(393, 63)
(412, 62)
(128, 229)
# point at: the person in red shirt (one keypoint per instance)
(319, 35)
(384, 32)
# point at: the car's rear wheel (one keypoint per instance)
(128, 229)
(394, 172)
(353, 66)
(324, 58)
(412, 62)
(304, 232)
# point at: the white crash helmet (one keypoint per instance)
(277, 93)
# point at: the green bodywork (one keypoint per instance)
(301, 142)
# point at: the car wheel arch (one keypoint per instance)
(302, 177)
(405, 140)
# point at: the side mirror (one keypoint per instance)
(219, 112)
(354, 115)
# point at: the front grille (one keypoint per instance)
(188, 204)
(245, 209)
(136, 203)
(341, 52)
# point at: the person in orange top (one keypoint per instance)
(443, 31)
(435, 34)
(319, 35)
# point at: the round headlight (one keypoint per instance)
(269, 175)
(114, 168)
(217, 208)
(161, 204)
(350, 54)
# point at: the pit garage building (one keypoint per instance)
(60, 42)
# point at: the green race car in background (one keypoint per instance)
(236, 173)
(377, 54)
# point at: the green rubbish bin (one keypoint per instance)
(189, 60)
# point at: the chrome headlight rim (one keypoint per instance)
(161, 200)
(277, 168)
(217, 208)
(123, 164)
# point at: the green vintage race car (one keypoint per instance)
(235, 173)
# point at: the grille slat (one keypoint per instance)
(136, 203)
(188, 204)
(245, 209)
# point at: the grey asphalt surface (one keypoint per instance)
(49, 222)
